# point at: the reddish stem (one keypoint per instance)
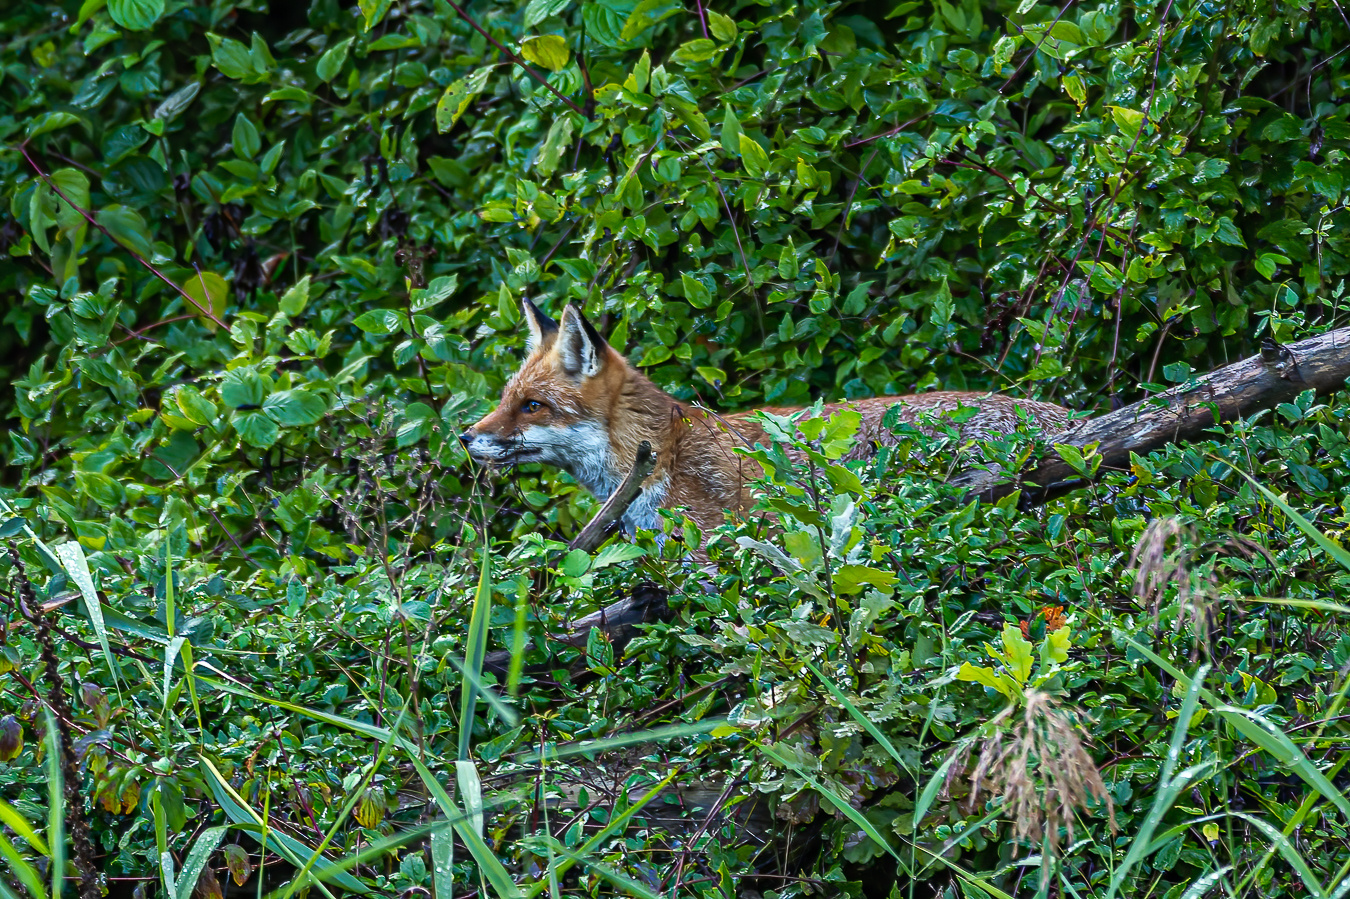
(513, 57)
(46, 179)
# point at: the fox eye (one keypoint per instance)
(531, 406)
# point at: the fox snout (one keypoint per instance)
(484, 448)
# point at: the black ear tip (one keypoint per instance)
(545, 324)
(586, 325)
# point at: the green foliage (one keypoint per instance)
(264, 264)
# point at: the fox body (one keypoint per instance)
(578, 404)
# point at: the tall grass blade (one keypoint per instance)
(25, 872)
(482, 854)
(289, 848)
(857, 714)
(1202, 885)
(551, 752)
(56, 801)
(1261, 733)
(442, 862)
(1275, 742)
(377, 851)
(77, 567)
(196, 860)
(302, 877)
(509, 716)
(836, 800)
(620, 880)
(930, 789)
(475, 651)
(470, 792)
(166, 863)
(184, 648)
(1168, 785)
(1339, 553)
(10, 817)
(616, 824)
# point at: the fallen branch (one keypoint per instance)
(1183, 413)
(606, 521)
(618, 620)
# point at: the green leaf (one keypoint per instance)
(537, 11)
(293, 301)
(1073, 457)
(102, 489)
(696, 292)
(245, 137)
(243, 387)
(548, 50)
(196, 860)
(753, 157)
(373, 11)
(457, 97)
(722, 27)
(1017, 652)
(74, 184)
(788, 266)
(195, 407)
(295, 407)
(230, 57)
(135, 15)
(1129, 121)
(379, 321)
(615, 553)
(646, 14)
(558, 140)
(76, 564)
(256, 428)
(1228, 233)
(730, 137)
(852, 578)
(211, 294)
(576, 563)
(178, 101)
(51, 121)
(1333, 550)
(127, 228)
(698, 50)
(332, 60)
(988, 677)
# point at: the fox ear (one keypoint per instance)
(581, 349)
(541, 326)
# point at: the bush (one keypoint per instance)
(264, 264)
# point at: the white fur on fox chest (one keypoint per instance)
(583, 450)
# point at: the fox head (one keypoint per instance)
(557, 407)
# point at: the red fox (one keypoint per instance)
(578, 404)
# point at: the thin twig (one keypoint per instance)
(46, 179)
(514, 58)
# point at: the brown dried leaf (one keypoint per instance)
(207, 886)
(11, 738)
(236, 859)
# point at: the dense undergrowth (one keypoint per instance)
(262, 265)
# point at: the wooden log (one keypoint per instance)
(1278, 374)
(606, 521)
(619, 620)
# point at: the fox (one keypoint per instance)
(578, 404)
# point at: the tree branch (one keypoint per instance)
(1183, 413)
(606, 521)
